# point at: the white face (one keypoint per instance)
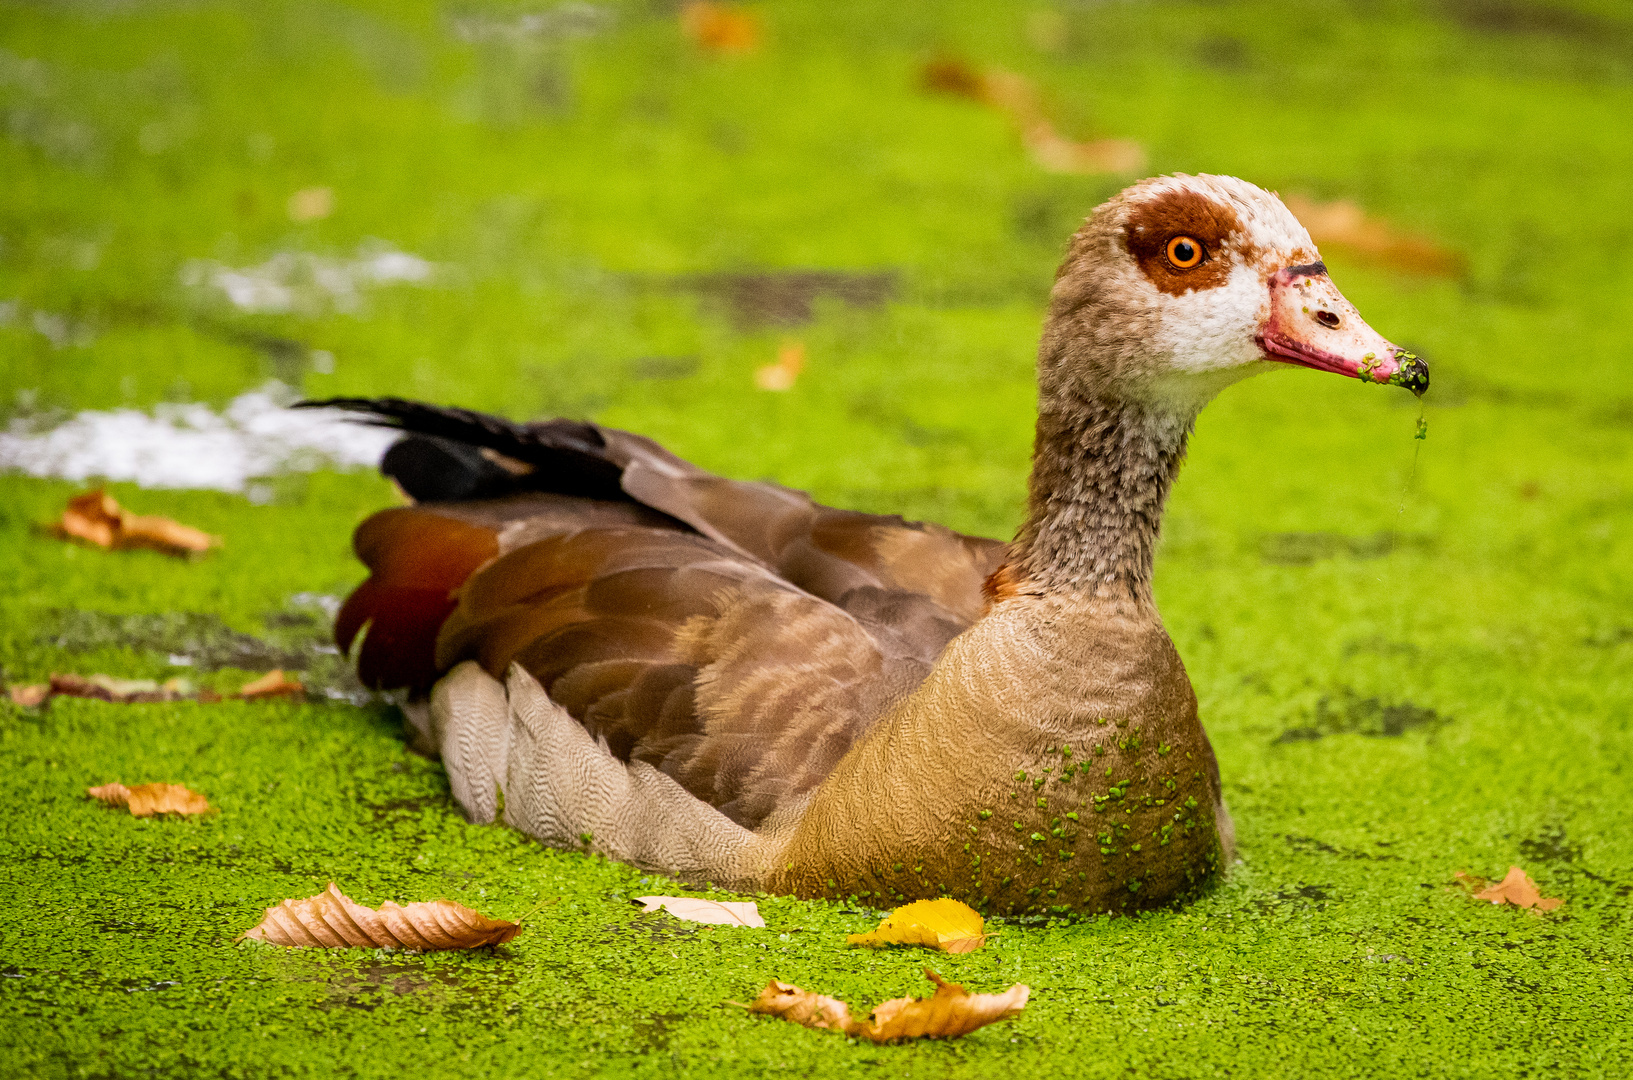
(1203, 280)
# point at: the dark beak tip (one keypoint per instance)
(1412, 374)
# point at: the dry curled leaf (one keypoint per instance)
(1516, 888)
(720, 27)
(331, 920)
(119, 691)
(273, 684)
(950, 1012)
(1018, 98)
(97, 518)
(696, 909)
(803, 1007)
(1344, 224)
(145, 800)
(949, 925)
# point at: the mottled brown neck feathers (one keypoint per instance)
(1101, 471)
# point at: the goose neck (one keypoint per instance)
(1101, 472)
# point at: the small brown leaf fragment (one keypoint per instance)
(1516, 888)
(950, 1012)
(29, 696)
(697, 909)
(96, 518)
(145, 800)
(716, 27)
(114, 794)
(119, 691)
(311, 204)
(1018, 98)
(273, 684)
(331, 920)
(949, 925)
(805, 1007)
(1344, 224)
(782, 374)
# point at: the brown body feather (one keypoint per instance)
(738, 640)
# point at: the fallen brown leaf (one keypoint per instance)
(1516, 888)
(1018, 97)
(950, 1012)
(697, 909)
(1344, 224)
(782, 374)
(803, 1007)
(273, 684)
(949, 925)
(332, 920)
(720, 27)
(145, 800)
(97, 518)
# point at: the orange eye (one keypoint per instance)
(1185, 252)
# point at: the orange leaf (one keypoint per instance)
(97, 518)
(1516, 888)
(720, 27)
(332, 920)
(273, 684)
(697, 909)
(1345, 224)
(950, 1012)
(145, 800)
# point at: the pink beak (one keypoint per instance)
(1313, 325)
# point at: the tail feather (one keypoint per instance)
(567, 457)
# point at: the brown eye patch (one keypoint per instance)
(1178, 237)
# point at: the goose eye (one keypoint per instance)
(1185, 252)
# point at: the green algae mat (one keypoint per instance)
(1414, 657)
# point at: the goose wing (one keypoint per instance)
(737, 636)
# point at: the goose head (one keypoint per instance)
(1181, 285)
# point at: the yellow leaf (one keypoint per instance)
(696, 909)
(333, 920)
(145, 800)
(949, 925)
(950, 1012)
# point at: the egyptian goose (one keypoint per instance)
(726, 681)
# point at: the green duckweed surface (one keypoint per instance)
(1414, 658)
